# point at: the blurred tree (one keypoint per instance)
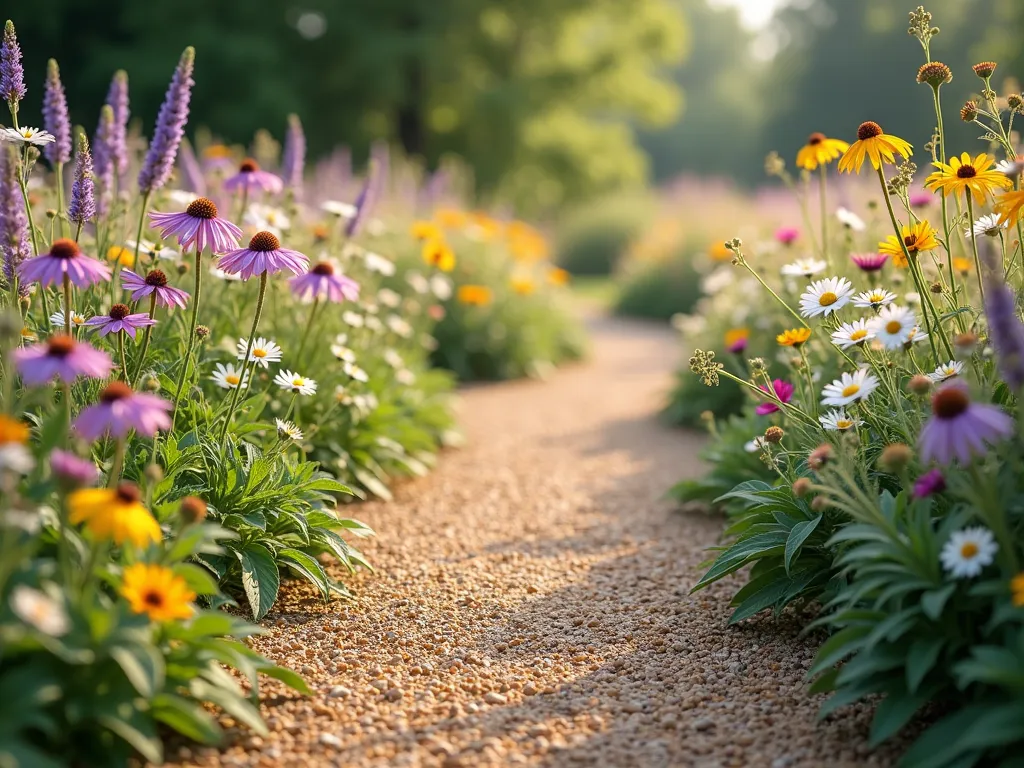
(537, 95)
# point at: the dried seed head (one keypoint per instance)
(774, 434)
(935, 73)
(1014, 101)
(202, 331)
(895, 457)
(969, 111)
(919, 385)
(984, 69)
(802, 487)
(192, 510)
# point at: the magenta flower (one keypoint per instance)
(251, 178)
(787, 235)
(71, 471)
(264, 254)
(120, 319)
(198, 225)
(958, 428)
(869, 262)
(921, 199)
(783, 391)
(322, 282)
(155, 283)
(739, 345)
(64, 257)
(929, 483)
(63, 357)
(120, 410)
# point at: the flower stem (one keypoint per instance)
(309, 327)
(67, 303)
(246, 363)
(138, 232)
(974, 245)
(124, 360)
(147, 336)
(778, 298)
(191, 336)
(118, 463)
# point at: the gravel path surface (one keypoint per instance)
(530, 606)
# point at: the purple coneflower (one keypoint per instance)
(293, 158)
(64, 257)
(250, 178)
(120, 318)
(83, 199)
(71, 471)
(199, 225)
(783, 390)
(63, 357)
(869, 262)
(959, 428)
(170, 126)
(120, 410)
(155, 283)
(117, 100)
(55, 116)
(264, 254)
(323, 282)
(12, 75)
(787, 235)
(931, 482)
(14, 239)
(367, 196)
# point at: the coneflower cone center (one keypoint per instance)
(949, 403)
(64, 248)
(868, 130)
(323, 268)
(115, 391)
(156, 278)
(119, 311)
(264, 241)
(60, 346)
(966, 172)
(202, 208)
(815, 138)
(248, 166)
(128, 493)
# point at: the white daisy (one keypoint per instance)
(986, 226)
(220, 274)
(57, 319)
(405, 377)
(286, 430)
(823, 297)
(26, 135)
(850, 334)
(804, 267)
(718, 280)
(947, 371)
(352, 318)
(374, 324)
(153, 250)
(355, 372)
(393, 358)
(399, 326)
(264, 351)
(912, 297)
(377, 263)
(916, 335)
(299, 385)
(849, 388)
(1010, 168)
(893, 326)
(16, 458)
(850, 220)
(755, 445)
(968, 551)
(229, 377)
(417, 282)
(875, 298)
(343, 353)
(266, 218)
(39, 610)
(441, 286)
(838, 421)
(338, 208)
(389, 298)
(182, 197)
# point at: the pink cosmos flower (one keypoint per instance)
(252, 179)
(787, 235)
(63, 357)
(120, 410)
(72, 471)
(322, 282)
(120, 319)
(960, 429)
(783, 391)
(931, 482)
(199, 225)
(64, 258)
(921, 198)
(155, 283)
(869, 262)
(264, 254)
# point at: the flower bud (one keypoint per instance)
(1014, 101)
(820, 456)
(802, 487)
(895, 457)
(919, 385)
(202, 332)
(935, 73)
(820, 504)
(969, 111)
(154, 473)
(192, 510)
(183, 267)
(984, 69)
(774, 434)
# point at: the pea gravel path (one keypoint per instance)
(530, 606)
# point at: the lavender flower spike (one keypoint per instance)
(83, 201)
(170, 127)
(12, 75)
(104, 159)
(364, 201)
(117, 100)
(1004, 327)
(55, 116)
(14, 239)
(293, 160)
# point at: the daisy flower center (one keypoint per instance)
(128, 493)
(868, 130)
(156, 278)
(64, 248)
(827, 299)
(843, 423)
(298, 381)
(232, 378)
(257, 352)
(893, 326)
(153, 599)
(248, 166)
(323, 268)
(968, 550)
(859, 334)
(115, 391)
(119, 312)
(966, 172)
(202, 208)
(264, 241)
(949, 403)
(60, 346)
(815, 138)
(851, 389)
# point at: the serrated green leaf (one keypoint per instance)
(260, 578)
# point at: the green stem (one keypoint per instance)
(138, 232)
(309, 327)
(118, 463)
(974, 245)
(246, 362)
(191, 336)
(67, 303)
(146, 337)
(757, 277)
(60, 196)
(124, 360)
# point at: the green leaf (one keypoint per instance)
(199, 579)
(797, 536)
(187, 718)
(934, 601)
(260, 578)
(894, 712)
(923, 654)
(138, 731)
(838, 647)
(231, 702)
(143, 665)
(307, 566)
(288, 677)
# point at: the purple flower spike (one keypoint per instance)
(929, 483)
(103, 159)
(1006, 332)
(783, 391)
(120, 318)
(65, 257)
(365, 200)
(61, 357)
(322, 282)
(198, 225)
(264, 254)
(191, 170)
(170, 126)
(12, 75)
(14, 239)
(960, 429)
(71, 471)
(120, 410)
(293, 158)
(83, 200)
(117, 100)
(869, 262)
(55, 116)
(154, 283)
(252, 179)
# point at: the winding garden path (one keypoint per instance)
(530, 605)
